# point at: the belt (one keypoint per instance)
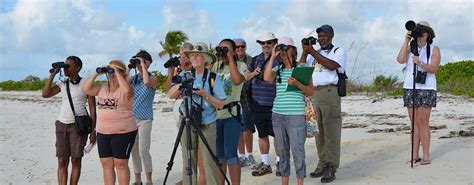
(319, 87)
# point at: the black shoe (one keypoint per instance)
(318, 172)
(329, 174)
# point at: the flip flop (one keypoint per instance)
(425, 162)
(415, 160)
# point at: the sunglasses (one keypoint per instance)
(197, 48)
(266, 42)
(241, 46)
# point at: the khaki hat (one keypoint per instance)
(201, 47)
(428, 28)
(266, 37)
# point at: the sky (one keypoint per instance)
(36, 33)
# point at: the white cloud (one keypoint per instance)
(376, 27)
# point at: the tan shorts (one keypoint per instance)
(68, 143)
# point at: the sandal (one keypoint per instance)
(415, 160)
(263, 170)
(425, 162)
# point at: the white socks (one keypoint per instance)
(265, 159)
(241, 155)
(277, 158)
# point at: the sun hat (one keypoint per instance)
(286, 41)
(266, 37)
(428, 28)
(118, 63)
(201, 47)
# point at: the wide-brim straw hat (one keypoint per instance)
(201, 47)
(428, 28)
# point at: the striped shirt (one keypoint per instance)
(287, 102)
(143, 99)
(262, 92)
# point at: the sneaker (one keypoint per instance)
(263, 169)
(318, 172)
(329, 174)
(277, 172)
(243, 161)
(253, 164)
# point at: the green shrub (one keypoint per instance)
(456, 78)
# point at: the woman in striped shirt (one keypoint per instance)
(288, 118)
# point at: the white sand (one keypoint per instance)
(27, 154)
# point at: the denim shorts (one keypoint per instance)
(227, 139)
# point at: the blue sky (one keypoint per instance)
(35, 33)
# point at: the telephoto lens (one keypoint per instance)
(309, 41)
(104, 70)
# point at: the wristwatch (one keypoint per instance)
(207, 97)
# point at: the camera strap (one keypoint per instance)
(70, 98)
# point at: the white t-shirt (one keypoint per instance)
(79, 99)
(430, 82)
(321, 75)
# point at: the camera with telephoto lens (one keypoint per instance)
(309, 41)
(221, 51)
(281, 47)
(183, 78)
(104, 70)
(420, 77)
(416, 29)
(174, 61)
(133, 63)
(57, 65)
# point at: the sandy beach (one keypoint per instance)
(374, 150)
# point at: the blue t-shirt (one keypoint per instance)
(209, 114)
(143, 99)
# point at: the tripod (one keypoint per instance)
(187, 122)
(414, 50)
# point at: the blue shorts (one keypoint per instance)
(227, 139)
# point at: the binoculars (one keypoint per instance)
(133, 63)
(221, 51)
(104, 70)
(281, 47)
(309, 41)
(57, 65)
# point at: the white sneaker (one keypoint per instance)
(251, 161)
(243, 161)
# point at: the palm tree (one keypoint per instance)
(173, 40)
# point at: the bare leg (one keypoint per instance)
(76, 170)
(108, 170)
(299, 181)
(425, 133)
(264, 144)
(416, 134)
(234, 171)
(221, 179)
(285, 180)
(248, 140)
(202, 173)
(63, 163)
(148, 176)
(241, 144)
(123, 172)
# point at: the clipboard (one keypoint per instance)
(302, 74)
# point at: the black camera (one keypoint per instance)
(281, 47)
(309, 41)
(420, 77)
(174, 61)
(183, 78)
(57, 65)
(221, 51)
(104, 70)
(416, 29)
(196, 114)
(133, 63)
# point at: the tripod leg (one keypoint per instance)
(209, 149)
(173, 154)
(189, 151)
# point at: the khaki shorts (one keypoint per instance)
(68, 143)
